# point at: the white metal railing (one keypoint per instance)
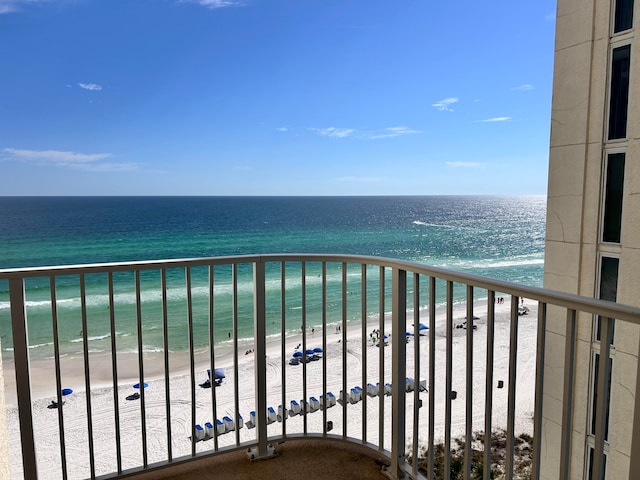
(341, 296)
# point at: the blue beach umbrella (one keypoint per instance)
(310, 352)
(317, 350)
(219, 373)
(409, 334)
(67, 391)
(137, 385)
(297, 354)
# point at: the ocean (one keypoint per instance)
(494, 236)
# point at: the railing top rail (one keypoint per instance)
(567, 300)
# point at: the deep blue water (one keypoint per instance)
(499, 237)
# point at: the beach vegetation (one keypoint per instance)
(523, 451)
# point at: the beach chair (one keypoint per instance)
(342, 398)
(199, 433)
(220, 428)
(209, 430)
(229, 424)
(354, 397)
(295, 408)
(411, 384)
(251, 423)
(240, 423)
(282, 413)
(271, 415)
(304, 407)
(331, 399)
(324, 401)
(372, 390)
(423, 385)
(387, 389)
(314, 404)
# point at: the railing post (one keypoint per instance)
(259, 328)
(399, 370)
(567, 397)
(23, 382)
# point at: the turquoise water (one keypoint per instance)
(499, 237)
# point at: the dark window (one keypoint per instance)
(613, 198)
(619, 92)
(608, 289)
(590, 460)
(607, 398)
(623, 16)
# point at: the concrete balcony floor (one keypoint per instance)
(296, 459)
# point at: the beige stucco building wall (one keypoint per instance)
(578, 147)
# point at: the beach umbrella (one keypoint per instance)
(317, 350)
(297, 354)
(137, 385)
(219, 373)
(67, 391)
(409, 334)
(310, 352)
(422, 326)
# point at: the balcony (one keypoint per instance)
(240, 358)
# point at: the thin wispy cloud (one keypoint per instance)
(444, 104)
(92, 162)
(465, 164)
(390, 132)
(11, 6)
(334, 132)
(494, 119)
(94, 87)
(213, 4)
(282, 129)
(524, 88)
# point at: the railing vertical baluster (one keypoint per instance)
(212, 355)
(432, 376)
(236, 378)
(539, 389)
(192, 367)
(381, 381)
(259, 329)
(324, 348)
(56, 357)
(488, 389)
(283, 332)
(87, 377)
(143, 416)
(23, 381)
(399, 375)
(448, 380)
(303, 293)
(344, 350)
(602, 394)
(567, 397)
(511, 402)
(363, 284)
(114, 371)
(469, 384)
(167, 376)
(416, 372)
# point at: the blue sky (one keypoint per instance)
(275, 97)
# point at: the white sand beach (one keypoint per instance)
(357, 351)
